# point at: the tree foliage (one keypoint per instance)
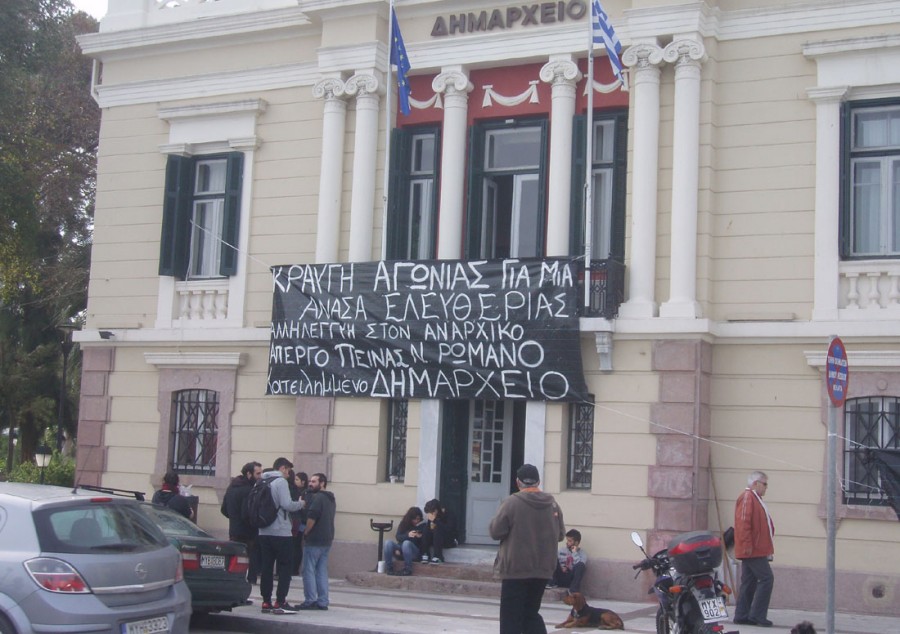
(48, 143)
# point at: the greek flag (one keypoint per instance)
(401, 61)
(605, 34)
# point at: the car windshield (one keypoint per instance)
(173, 524)
(96, 527)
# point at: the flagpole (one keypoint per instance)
(387, 132)
(588, 166)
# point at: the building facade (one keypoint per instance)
(745, 188)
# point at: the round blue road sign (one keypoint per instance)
(837, 372)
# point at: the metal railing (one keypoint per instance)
(607, 289)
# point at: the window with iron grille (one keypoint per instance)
(869, 423)
(195, 432)
(396, 458)
(581, 445)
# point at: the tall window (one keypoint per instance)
(195, 431)
(869, 423)
(507, 191)
(870, 225)
(396, 457)
(608, 174)
(412, 222)
(581, 445)
(201, 214)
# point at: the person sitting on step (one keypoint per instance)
(571, 564)
(408, 543)
(439, 532)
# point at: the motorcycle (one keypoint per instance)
(691, 596)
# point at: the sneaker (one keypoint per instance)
(266, 607)
(406, 572)
(425, 559)
(550, 584)
(283, 607)
(319, 606)
(307, 605)
(437, 560)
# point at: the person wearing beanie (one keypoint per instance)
(529, 525)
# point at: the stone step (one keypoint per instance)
(448, 578)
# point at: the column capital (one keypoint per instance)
(329, 88)
(560, 71)
(685, 52)
(363, 84)
(452, 81)
(643, 56)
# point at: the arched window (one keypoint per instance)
(195, 431)
(869, 423)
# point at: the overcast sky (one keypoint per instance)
(96, 8)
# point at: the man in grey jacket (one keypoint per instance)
(529, 524)
(275, 541)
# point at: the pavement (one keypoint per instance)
(361, 610)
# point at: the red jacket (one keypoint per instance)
(751, 532)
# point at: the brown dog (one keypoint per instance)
(583, 615)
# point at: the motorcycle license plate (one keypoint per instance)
(713, 609)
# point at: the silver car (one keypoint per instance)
(85, 561)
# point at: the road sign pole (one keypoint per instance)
(830, 527)
(837, 375)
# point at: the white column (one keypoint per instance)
(429, 451)
(454, 83)
(562, 73)
(332, 165)
(644, 59)
(827, 221)
(365, 152)
(535, 433)
(687, 55)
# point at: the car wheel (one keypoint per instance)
(5, 626)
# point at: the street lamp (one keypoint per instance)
(42, 456)
(66, 345)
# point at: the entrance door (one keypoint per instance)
(490, 435)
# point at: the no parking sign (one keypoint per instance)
(837, 372)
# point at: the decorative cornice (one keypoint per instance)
(212, 109)
(194, 359)
(560, 72)
(864, 360)
(212, 85)
(834, 94)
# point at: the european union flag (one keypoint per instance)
(401, 61)
(604, 33)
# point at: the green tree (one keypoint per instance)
(48, 143)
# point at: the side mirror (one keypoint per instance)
(637, 539)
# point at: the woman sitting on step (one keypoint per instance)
(440, 532)
(408, 544)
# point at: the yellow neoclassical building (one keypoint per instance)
(743, 208)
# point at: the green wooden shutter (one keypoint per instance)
(398, 196)
(620, 180)
(175, 236)
(576, 213)
(231, 225)
(844, 213)
(474, 196)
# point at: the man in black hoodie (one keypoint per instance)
(529, 524)
(317, 539)
(232, 507)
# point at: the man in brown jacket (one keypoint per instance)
(753, 545)
(529, 524)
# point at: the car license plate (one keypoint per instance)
(212, 561)
(713, 609)
(147, 626)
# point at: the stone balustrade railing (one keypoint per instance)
(202, 301)
(870, 285)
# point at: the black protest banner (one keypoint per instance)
(498, 329)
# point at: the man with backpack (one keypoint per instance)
(268, 505)
(233, 503)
